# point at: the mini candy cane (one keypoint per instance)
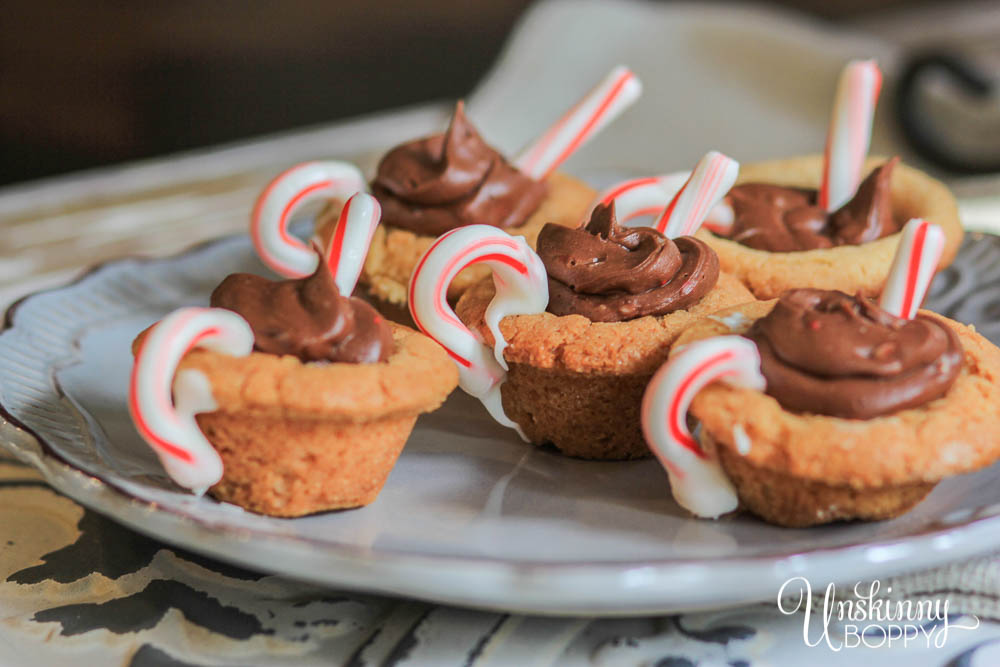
(170, 429)
(913, 268)
(697, 481)
(351, 239)
(521, 288)
(850, 133)
(711, 179)
(599, 107)
(289, 191)
(642, 196)
(721, 218)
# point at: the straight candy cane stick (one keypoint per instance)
(521, 288)
(710, 180)
(697, 480)
(283, 196)
(850, 133)
(913, 268)
(582, 122)
(171, 430)
(351, 240)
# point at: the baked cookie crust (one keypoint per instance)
(578, 384)
(299, 438)
(416, 378)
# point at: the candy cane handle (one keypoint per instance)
(913, 268)
(288, 193)
(650, 195)
(720, 218)
(710, 180)
(521, 288)
(641, 196)
(850, 133)
(615, 93)
(170, 427)
(697, 480)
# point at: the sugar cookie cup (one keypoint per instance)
(578, 384)
(571, 364)
(800, 469)
(298, 438)
(848, 268)
(287, 397)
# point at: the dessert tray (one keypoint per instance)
(470, 515)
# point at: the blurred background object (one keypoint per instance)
(88, 84)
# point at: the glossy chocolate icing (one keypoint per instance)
(825, 352)
(785, 219)
(449, 180)
(306, 317)
(610, 273)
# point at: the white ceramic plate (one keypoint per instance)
(470, 515)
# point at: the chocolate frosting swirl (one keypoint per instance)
(609, 273)
(306, 317)
(438, 183)
(829, 353)
(785, 219)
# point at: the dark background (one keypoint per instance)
(91, 83)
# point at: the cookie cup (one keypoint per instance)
(395, 252)
(298, 438)
(848, 268)
(800, 469)
(578, 384)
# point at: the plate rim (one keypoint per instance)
(522, 586)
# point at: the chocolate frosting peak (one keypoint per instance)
(829, 353)
(306, 317)
(437, 183)
(610, 273)
(785, 219)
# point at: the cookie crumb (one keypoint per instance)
(741, 439)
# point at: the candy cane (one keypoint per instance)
(288, 192)
(351, 239)
(850, 133)
(697, 480)
(585, 119)
(721, 218)
(521, 288)
(710, 180)
(913, 268)
(651, 194)
(170, 427)
(641, 196)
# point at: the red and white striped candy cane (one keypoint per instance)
(850, 133)
(913, 268)
(641, 196)
(288, 192)
(721, 218)
(521, 288)
(585, 119)
(649, 195)
(169, 426)
(710, 180)
(351, 239)
(697, 481)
